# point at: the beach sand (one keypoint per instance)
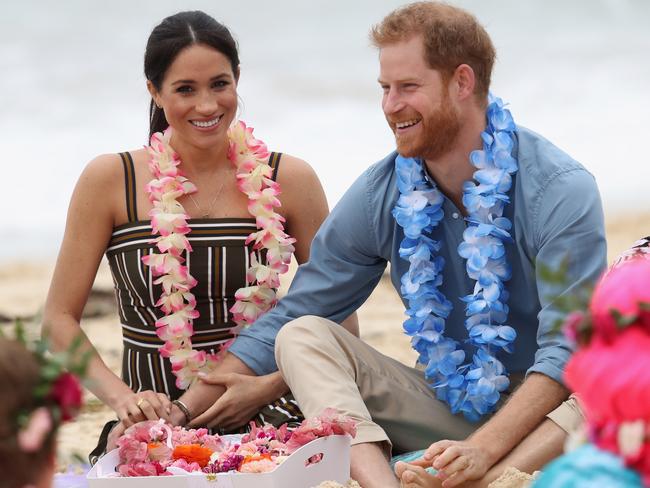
(23, 288)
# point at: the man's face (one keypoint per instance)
(416, 101)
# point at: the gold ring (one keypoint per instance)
(140, 402)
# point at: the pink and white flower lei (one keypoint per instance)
(254, 179)
(169, 224)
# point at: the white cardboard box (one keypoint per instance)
(292, 473)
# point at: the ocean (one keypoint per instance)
(72, 88)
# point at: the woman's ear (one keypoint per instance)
(155, 96)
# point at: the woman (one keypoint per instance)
(192, 70)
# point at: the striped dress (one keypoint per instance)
(219, 261)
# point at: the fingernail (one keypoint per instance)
(201, 374)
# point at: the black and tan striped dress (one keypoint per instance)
(218, 262)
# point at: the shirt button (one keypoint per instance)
(455, 215)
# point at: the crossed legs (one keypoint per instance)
(326, 366)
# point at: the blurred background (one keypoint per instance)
(72, 88)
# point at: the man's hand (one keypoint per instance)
(245, 395)
(456, 462)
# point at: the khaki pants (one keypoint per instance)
(326, 366)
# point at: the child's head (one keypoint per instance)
(610, 372)
(27, 429)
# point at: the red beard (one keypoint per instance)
(437, 135)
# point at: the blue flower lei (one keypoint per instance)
(473, 388)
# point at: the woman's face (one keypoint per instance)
(199, 97)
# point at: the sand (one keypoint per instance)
(23, 288)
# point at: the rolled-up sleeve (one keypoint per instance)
(343, 269)
(569, 225)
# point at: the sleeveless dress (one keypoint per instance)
(219, 261)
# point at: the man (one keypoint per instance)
(534, 205)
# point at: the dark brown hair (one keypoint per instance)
(19, 377)
(451, 37)
(169, 38)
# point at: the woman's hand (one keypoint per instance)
(245, 395)
(145, 405)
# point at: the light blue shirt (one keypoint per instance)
(556, 213)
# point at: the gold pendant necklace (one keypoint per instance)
(206, 214)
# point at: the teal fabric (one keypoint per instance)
(406, 457)
(588, 467)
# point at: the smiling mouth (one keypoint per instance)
(407, 123)
(206, 124)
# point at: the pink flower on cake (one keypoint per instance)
(150, 448)
(133, 451)
(257, 464)
(143, 469)
(158, 451)
(330, 422)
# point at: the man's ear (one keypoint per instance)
(464, 81)
(155, 96)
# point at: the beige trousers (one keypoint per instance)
(326, 366)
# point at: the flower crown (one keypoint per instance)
(57, 396)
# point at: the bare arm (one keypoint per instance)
(88, 229)
(304, 207)
(537, 396)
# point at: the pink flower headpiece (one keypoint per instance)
(610, 373)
